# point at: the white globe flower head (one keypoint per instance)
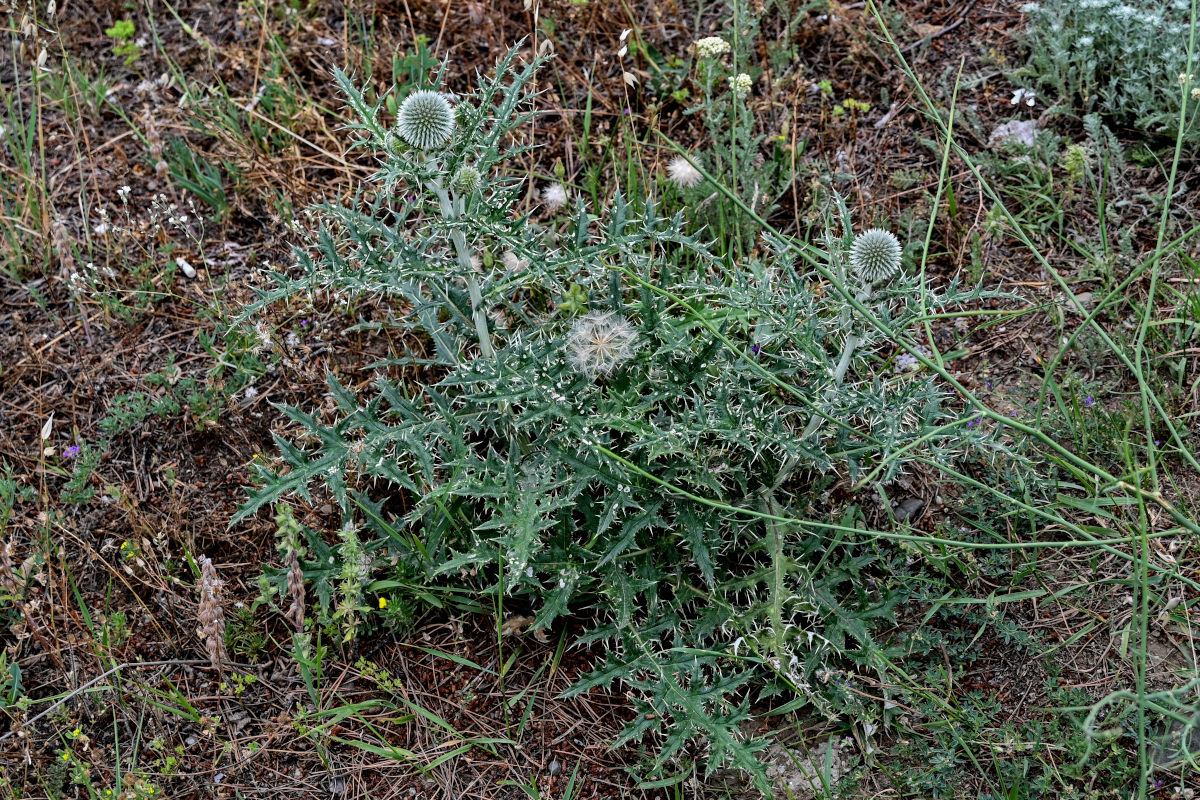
(426, 120)
(711, 47)
(554, 196)
(682, 173)
(600, 343)
(875, 255)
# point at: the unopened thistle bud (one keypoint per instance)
(875, 255)
(600, 343)
(425, 120)
(467, 179)
(682, 173)
(210, 615)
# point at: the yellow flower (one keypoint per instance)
(66, 756)
(383, 602)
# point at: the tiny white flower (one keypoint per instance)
(1023, 95)
(682, 173)
(554, 196)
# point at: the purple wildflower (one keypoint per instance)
(71, 451)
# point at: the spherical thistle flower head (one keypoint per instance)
(600, 343)
(426, 120)
(875, 255)
(682, 173)
(467, 179)
(711, 47)
(554, 196)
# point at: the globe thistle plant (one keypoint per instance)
(875, 255)
(682, 173)
(600, 343)
(426, 120)
(578, 522)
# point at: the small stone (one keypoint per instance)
(1023, 131)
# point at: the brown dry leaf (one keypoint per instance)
(925, 29)
(516, 624)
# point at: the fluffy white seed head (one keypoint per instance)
(426, 120)
(600, 343)
(875, 255)
(554, 196)
(682, 173)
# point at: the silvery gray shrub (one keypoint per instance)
(1120, 59)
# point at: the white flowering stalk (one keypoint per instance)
(740, 85)
(711, 47)
(426, 120)
(600, 343)
(682, 173)
(210, 614)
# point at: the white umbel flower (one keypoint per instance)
(426, 120)
(875, 255)
(682, 173)
(741, 85)
(600, 343)
(554, 196)
(711, 47)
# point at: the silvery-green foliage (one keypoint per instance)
(529, 470)
(1120, 59)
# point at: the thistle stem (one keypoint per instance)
(452, 209)
(853, 340)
